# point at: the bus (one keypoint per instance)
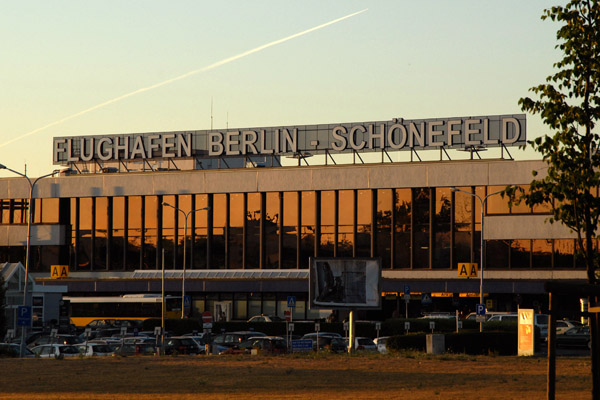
(140, 307)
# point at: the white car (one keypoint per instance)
(363, 344)
(563, 325)
(95, 349)
(55, 351)
(380, 342)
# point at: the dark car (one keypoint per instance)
(230, 339)
(263, 344)
(135, 349)
(59, 339)
(181, 345)
(99, 333)
(578, 336)
(333, 342)
(13, 350)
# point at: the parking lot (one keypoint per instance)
(324, 376)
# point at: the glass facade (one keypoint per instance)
(416, 228)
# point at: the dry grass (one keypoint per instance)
(331, 377)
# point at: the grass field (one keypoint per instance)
(323, 376)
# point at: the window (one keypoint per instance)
(290, 229)
(421, 213)
(402, 227)
(383, 225)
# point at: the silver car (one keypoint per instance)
(55, 351)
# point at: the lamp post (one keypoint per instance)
(482, 201)
(28, 245)
(185, 215)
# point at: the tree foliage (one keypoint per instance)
(569, 104)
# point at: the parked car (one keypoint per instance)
(181, 345)
(578, 336)
(137, 339)
(59, 339)
(563, 325)
(55, 351)
(102, 324)
(541, 321)
(263, 344)
(229, 339)
(364, 344)
(199, 338)
(114, 323)
(92, 349)
(333, 342)
(438, 315)
(13, 350)
(381, 343)
(265, 318)
(488, 314)
(511, 317)
(135, 349)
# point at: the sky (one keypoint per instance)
(76, 68)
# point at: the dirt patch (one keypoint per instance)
(324, 376)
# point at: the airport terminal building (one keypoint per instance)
(256, 204)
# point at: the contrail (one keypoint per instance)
(180, 77)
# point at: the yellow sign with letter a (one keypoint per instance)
(59, 271)
(467, 270)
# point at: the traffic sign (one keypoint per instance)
(480, 313)
(426, 298)
(406, 289)
(24, 316)
(302, 345)
(207, 317)
(480, 309)
(291, 301)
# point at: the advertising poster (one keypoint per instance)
(345, 283)
(525, 332)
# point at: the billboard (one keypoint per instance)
(345, 283)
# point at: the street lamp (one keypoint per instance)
(28, 245)
(482, 201)
(185, 215)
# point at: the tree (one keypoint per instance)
(569, 104)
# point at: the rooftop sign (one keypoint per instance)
(394, 135)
